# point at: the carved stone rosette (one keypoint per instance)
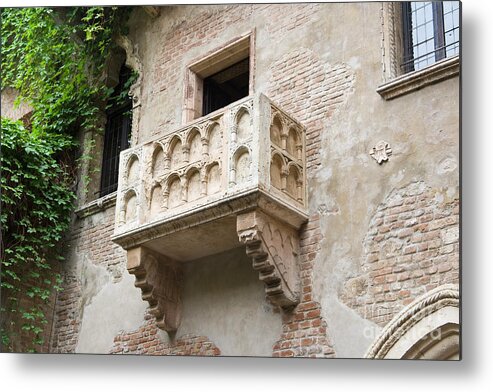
(273, 247)
(160, 281)
(381, 152)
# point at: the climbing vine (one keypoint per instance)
(54, 59)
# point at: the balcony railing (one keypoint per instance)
(214, 184)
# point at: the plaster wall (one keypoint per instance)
(9, 108)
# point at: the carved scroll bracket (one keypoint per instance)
(161, 281)
(273, 247)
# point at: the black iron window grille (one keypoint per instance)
(430, 32)
(117, 132)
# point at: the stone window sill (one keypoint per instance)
(418, 79)
(97, 205)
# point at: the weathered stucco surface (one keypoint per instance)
(325, 74)
(224, 300)
(116, 307)
(9, 107)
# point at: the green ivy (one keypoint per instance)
(55, 59)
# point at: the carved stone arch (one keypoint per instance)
(134, 62)
(132, 169)
(159, 162)
(172, 191)
(156, 199)
(240, 111)
(278, 170)
(193, 183)
(213, 176)
(214, 134)
(241, 165)
(209, 127)
(243, 122)
(174, 151)
(117, 57)
(294, 142)
(428, 328)
(129, 206)
(277, 129)
(294, 181)
(201, 130)
(193, 145)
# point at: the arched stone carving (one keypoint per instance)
(213, 178)
(194, 144)
(294, 182)
(426, 328)
(193, 184)
(293, 145)
(133, 169)
(276, 169)
(242, 165)
(134, 62)
(130, 207)
(243, 126)
(159, 161)
(175, 153)
(161, 282)
(156, 202)
(214, 136)
(174, 191)
(276, 129)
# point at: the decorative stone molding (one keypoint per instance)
(391, 16)
(161, 282)
(234, 178)
(427, 307)
(273, 247)
(416, 80)
(381, 152)
(134, 62)
(96, 206)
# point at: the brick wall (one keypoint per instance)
(145, 341)
(412, 246)
(311, 91)
(166, 77)
(90, 242)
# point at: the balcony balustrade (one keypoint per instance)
(236, 177)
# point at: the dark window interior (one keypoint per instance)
(117, 133)
(226, 86)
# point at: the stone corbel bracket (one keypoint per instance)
(273, 247)
(161, 281)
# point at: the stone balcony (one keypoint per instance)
(236, 177)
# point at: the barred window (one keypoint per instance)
(430, 32)
(117, 132)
